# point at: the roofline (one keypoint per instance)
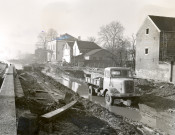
(100, 49)
(123, 68)
(167, 31)
(148, 17)
(154, 23)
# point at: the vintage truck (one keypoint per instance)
(116, 84)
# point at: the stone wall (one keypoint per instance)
(162, 73)
(7, 105)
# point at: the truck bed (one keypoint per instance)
(98, 81)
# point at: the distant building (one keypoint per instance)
(80, 48)
(41, 55)
(155, 49)
(55, 47)
(100, 58)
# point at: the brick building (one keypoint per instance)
(155, 49)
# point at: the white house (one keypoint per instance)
(68, 52)
(82, 47)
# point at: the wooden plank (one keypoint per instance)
(53, 114)
(41, 91)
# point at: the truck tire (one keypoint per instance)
(92, 91)
(108, 99)
(135, 101)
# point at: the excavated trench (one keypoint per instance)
(156, 109)
(85, 117)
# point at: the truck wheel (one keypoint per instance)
(92, 91)
(109, 100)
(135, 101)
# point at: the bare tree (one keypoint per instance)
(44, 37)
(51, 34)
(42, 40)
(111, 34)
(133, 50)
(111, 38)
(91, 39)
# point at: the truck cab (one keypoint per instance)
(116, 84)
(119, 79)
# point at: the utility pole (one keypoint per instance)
(121, 62)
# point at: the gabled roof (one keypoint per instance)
(87, 45)
(71, 44)
(66, 37)
(164, 23)
(93, 52)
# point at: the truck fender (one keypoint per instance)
(113, 91)
(104, 92)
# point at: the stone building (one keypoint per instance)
(155, 49)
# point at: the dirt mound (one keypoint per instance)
(164, 89)
(157, 102)
(80, 122)
(159, 95)
(144, 85)
(115, 121)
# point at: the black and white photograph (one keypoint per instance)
(87, 67)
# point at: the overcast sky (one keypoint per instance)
(22, 20)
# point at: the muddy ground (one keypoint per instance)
(159, 95)
(156, 94)
(85, 118)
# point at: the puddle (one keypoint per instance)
(165, 121)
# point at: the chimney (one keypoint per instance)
(79, 38)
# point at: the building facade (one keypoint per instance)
(55, 47)
(80, 48)
(100, 58)
(155, 48)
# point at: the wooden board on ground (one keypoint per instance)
(53, 114)
(41, 99)
(41, 91)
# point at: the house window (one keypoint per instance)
(146, 50)
(147, 31)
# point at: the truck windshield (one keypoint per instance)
(119, 73)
